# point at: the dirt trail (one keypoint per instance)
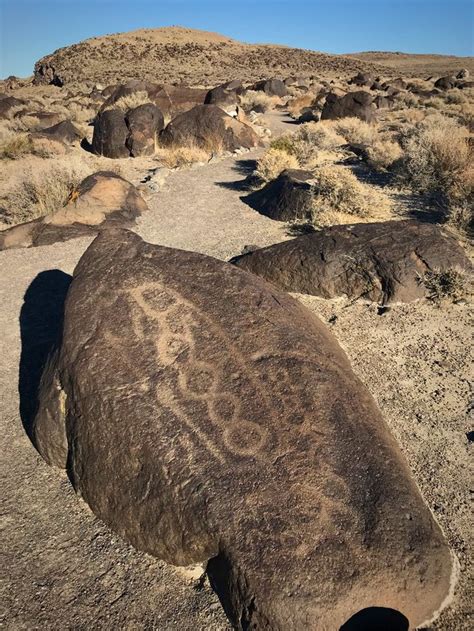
(63, 569)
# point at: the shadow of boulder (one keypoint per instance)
(41, 319)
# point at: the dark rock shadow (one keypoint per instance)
(376, 619)
(86, 145)
(41, 319)
(245, 168)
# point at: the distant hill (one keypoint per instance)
(177, 54)
(418, 65)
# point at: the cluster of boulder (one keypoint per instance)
(212, 419)
(199, 119)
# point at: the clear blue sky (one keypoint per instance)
(30, 29)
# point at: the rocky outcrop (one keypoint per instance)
(226, 96)
(287, 198)
(65, 132)
(362, 79)
(383, 262)
(208, 126)
(144, 124)
(170, 99)
(110, 135)
(103, 199)
(8, 103)
(357, 104)
(134, 133)
(272, 87)
(207, 416)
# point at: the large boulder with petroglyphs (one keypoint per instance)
(202, 414)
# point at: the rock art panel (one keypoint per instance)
(205, 415)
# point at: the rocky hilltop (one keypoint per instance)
(174, 54)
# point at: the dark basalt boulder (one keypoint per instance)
(110, 135)
(396, 84)
(208, 126)
(287, 198)
(43, 120)
(446, 83)
(144, 124)
(225, 96)
(101, 200)
(170, 99)
(357, 104)
(65, 132)
(272, 87)
(383, 102)
(382, 262)
(8, 103)
(206, 416)
(362, 79)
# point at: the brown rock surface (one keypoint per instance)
(144, 124)
(103, 198)
(383, 262)
(110, 135)
(210, 127)
(287, 198)
(357, 104)
(191, 432)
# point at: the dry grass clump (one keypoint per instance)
(257, 101)
(383, 153)
(175, 157)
(448, 285)
(356, 131)
(307, 143)
(339, 196)
(438, 158)
(129, 101)
(14, 145)
(40, 193)
(273, 162)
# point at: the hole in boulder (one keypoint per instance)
(470, 436)
(376, 619)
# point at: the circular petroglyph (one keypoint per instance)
(158, 299)
(199, 379)
(224, 408)
(245, 438)
(175, 347)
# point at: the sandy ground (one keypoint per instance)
(63, 569)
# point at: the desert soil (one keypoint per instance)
(63, 569)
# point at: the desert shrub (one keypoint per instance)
(435, 102)
(257, 101)
(308, 141)
(448, 285)
(176, 157)
(40, 193)
(284, 143)
(14, 145)
(456, 97)
(438, 158)
(382, 154)
(273, 162)
(129, 101)
(356, 131)
(337, 190)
